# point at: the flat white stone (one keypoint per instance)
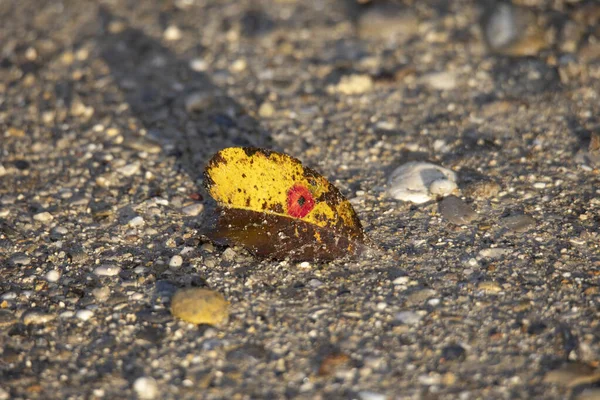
(413, 182)
(84, 315)
(53, 276)
(146, 388)
(107, 270)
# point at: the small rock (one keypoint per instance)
(412, 181)
(172, 33)
(200, 306)
(136, 221)
(43, 217)
(199, 101)
(420, 296)
(129, 169)
(493, 253)
(20, 259)
(368, 395)
(146, 388)
(176, 261)
(573, 374)
(53, 276)
(37, 317)
(352, 84)
(193, 210)
(511, 30)
(408, 317)
(489, 287)
(101, 294)
(440, 80)
(453, 353)
(6, 318)
(107, 270)
(456, 211)
(198, 65)
(401, 280)
(266, 110)
(518, 223)
(4, 394)
(84, 315)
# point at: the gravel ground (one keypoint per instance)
(109, 111)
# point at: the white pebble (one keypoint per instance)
(136, 221)
(198, 65)
(146, 388)
(433, 302)
(43, 217)
(412, 181)
(368, 395)
(129, 169)
(172, 33)
(107, 270)
(440, 80)
(84, 315)
(53, 276)
(401, 280)
(176, 261)
(408, 317)
(193, 209)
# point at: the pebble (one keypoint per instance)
(4, 395)
(420, 296)
(136, 221)
(266, 110)
(198, 102)
(401, 280)
(412, 181)
(20, 259)
(172, 33)
(101, 294)
(176, 261)
(493, 253)
(440, 80)
(368, 395)
(193, 209)
(37, 317)
(7, 318)
(129, 169)
(511, 30)
(53, 276)
(408, 317)
(489, 287)
(453, 353)
(518, 223)
(43, 217)
(198, 65)
(84, 315)
(456, 211)
(500, 26)
(107, 270)
(146, 388)
(352, 84)
(200, 306)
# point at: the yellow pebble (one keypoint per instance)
(200, 306)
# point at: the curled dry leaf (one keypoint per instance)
(276, 208)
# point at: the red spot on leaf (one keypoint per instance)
(299, 201)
